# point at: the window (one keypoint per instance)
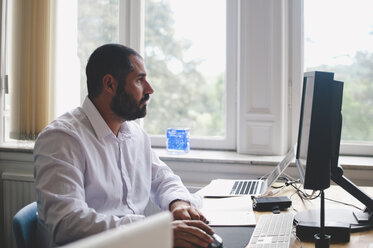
(97, 23)
(340, 40)
(185, 58)
(232, 93)
(233, 75)
(185, 55)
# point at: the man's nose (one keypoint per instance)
(148, 88)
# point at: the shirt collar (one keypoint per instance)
(99, 125)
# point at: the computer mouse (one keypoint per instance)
(218, 241)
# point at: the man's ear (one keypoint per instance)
(109, 84)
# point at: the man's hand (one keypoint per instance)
(182, 210)
(189, 226)
(191, 233)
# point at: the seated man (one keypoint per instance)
(94, 166)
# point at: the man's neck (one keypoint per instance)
(107, 114)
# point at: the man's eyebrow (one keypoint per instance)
(142, 74)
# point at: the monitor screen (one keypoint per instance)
(305, 125)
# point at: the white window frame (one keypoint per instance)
(271, 52)
(131, 22)
(265, 53)
(348, 147)
(3, 77)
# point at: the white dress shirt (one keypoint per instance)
(88, 180)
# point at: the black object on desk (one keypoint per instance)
(271, 203)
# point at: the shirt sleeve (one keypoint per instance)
(59, 181)
(167, 187)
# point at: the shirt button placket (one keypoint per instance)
(125, 179)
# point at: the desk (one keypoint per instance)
(360, 239)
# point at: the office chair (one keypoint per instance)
(24, 226)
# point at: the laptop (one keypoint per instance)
(154, 231)
(259, 187)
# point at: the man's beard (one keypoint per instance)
(126, 107)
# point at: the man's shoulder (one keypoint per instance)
(70, 122)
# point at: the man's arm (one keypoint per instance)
(167, 187)
(189, 227)
(60, 182)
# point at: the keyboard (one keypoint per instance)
(244, 187)
(272, 230)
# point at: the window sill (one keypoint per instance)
(198, 167)
(215, 156)
(21, 146)
(228, 157)
(209, 156)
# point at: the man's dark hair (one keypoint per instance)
(108, 59)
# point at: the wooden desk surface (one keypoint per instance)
(359, 239)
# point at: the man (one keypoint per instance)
(94, 166)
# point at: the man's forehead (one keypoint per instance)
(138, 63)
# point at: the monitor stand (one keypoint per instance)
(339, 222)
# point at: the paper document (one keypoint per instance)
(232, 211)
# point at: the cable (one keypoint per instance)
(303, 194)
(313, 196)
(292, 178)
(275, 191)
(344, 203)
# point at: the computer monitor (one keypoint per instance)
(313, 157)
(154, 231)
(318, 150)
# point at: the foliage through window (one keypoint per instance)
(185, 59)
(340, 40)
(97, 25)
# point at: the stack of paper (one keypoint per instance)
(230, 211)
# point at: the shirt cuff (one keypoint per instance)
(130, 218)
(195, 200)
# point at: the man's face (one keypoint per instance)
(131, 97)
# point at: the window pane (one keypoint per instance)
(97, 25)
(340, 40)
(185, 49)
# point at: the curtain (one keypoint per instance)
(30, 71)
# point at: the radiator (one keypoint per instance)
(18, 191)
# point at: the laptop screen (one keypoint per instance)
(280, 167)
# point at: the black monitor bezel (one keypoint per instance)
(319, 147)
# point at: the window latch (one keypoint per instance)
(4, 84)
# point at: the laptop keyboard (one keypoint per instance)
(244, 187)
(272, 230)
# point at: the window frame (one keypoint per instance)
(228, 142)
(3, 83)
(131, 22)
(278, 121)
(347, 148)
